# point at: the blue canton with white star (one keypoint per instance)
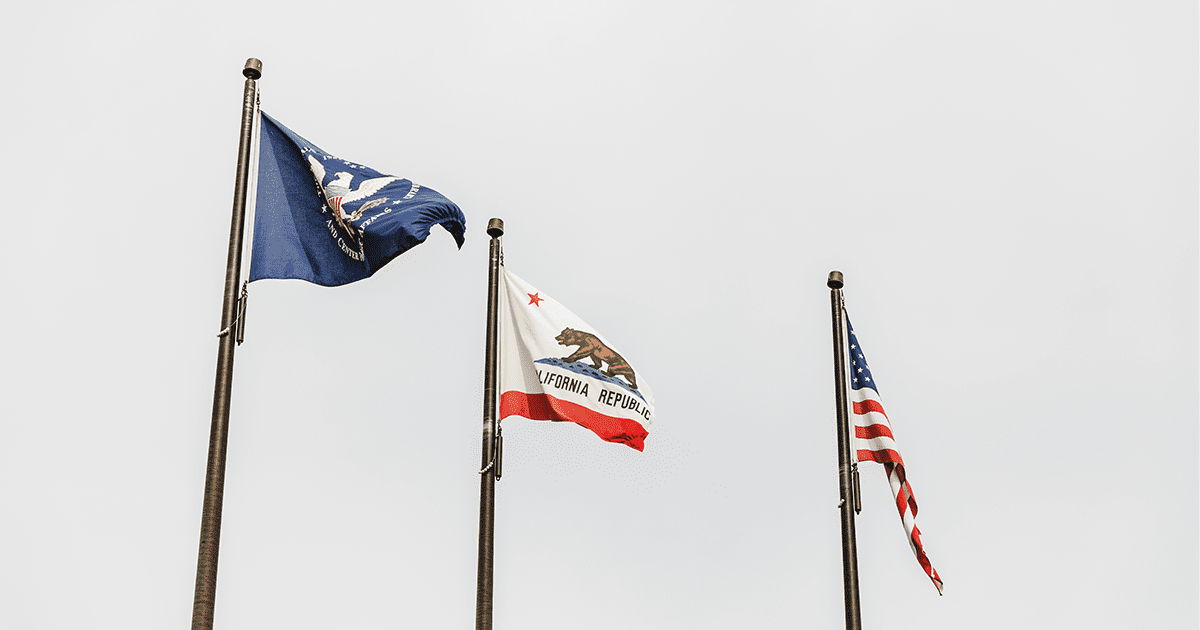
(860, 373)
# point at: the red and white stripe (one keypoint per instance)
(874, 442)
(547, 407)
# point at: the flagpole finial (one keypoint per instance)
(495, 228)
(253, 69)
(835, 280)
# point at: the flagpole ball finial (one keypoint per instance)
(253, 69)
(835, 280)
(495, 228)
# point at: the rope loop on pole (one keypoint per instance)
(228, 328)
(241, 300)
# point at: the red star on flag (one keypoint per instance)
(534, 299)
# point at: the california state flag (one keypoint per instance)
(553, 366)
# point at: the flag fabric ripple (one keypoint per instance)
(330, 221)
(874, 442)
(553, 366)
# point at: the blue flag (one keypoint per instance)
(328, 221)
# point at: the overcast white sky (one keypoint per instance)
(1011, 189)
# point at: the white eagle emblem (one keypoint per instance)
(337, 193)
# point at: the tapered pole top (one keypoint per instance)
(495, 228)
(253, 69)
(835, 280)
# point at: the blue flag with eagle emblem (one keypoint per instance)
(330, 221)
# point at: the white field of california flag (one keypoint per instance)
(553, 366)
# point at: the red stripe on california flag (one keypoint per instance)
(546, 407)
(873, 431)
(867, 406)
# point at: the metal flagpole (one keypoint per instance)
(490, 462)
(846, 468)
(214, 479)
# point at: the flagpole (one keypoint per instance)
(489, 463)
(845, 463)
(214, 479)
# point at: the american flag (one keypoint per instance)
(874, 442)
